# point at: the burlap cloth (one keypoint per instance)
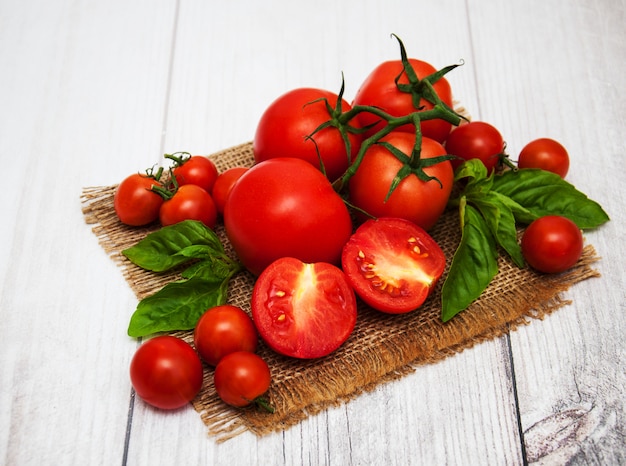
(382, 348)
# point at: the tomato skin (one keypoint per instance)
(552, 244)
(379, 89)
(475, 140)
(546, 154)
(189, 202)
(135, 203)
(303, 310)
(224, 184)
(197, 170)
(241, 377)
(413, 199)
(222, 330)
(285, 124)
(386, 270)
(285, 207)
(166, 372)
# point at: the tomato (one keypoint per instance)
(552, 244)
(476, 140)
(222, 330)
(189, 202)
(546, 154)
(241, 377)
(392, 264)
(421, 202)
(285, 208)
(303, 310)
(166, 372)
(380, 90)
(197, 170)
(284, 126)
(223, 185)
(135, 203)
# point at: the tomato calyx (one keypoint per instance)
(179, 158)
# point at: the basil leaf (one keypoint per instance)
(545, 193)
(173, 245)
(473, 266)
(213, 268)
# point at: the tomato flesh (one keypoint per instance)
(392, 264)
(303, 310)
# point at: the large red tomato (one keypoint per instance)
(380, 90)
(286, 123)
(421, 202)
(285, 207)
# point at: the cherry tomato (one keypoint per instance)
(135, 203)
(241, 377)
(197, 170)
(392, 264)
(421, 202)
(189, 202)
(285, 207)
(166, 372)
(223, 185)
(546, 154)
(222, 330)
(552, 244)
(303, 310)
(476, 140)
(380, 90)
(286, 123)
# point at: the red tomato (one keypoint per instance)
(189, 202)
(241, 377)
(222, 330)
(223, 185)
(166, 372)
(135, 203)
(421, 202)
(552, 244)
(476, 140)
(285, 208)
(392, 264)
(197, 170)
(380, 90)
(303, 310)
(286, 123)
(546, 154)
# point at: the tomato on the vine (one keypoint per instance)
(285, 207)
(421, 202)
(196, 169)
(240, 378)
(392, 264)
(223, 185)
(189, 202)
(303, 310)
(166, 372)
(476, 140)
(546, 154)
(135, 203)
(552, 244)
(285, 125)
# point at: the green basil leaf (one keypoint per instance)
(213, 268)
(545, 193)
(473, 266)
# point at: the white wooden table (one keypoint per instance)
(91, 91)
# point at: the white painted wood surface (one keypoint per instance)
(93, 90)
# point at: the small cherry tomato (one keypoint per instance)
(189, 202)
(475, 140)
(546, 154)
(166, 372)
(135, 203)
(224, 184)
(552, 244)
(198, 170)
(241, 377)
(223, 330)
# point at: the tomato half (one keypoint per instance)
(546, 154)
(241, 377)
(198, 170)
(135, 203)
(285, 207)
(166, 372)
(421, 202)
(476, 140)
(286, 123)
(552, 244)
(392, 264)
(303, 310)
(189, 202)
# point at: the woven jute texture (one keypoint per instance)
(382, 347)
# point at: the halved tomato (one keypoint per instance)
(392, 264)
(303, 310)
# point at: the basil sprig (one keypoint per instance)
(204, 284)
(491, 207)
